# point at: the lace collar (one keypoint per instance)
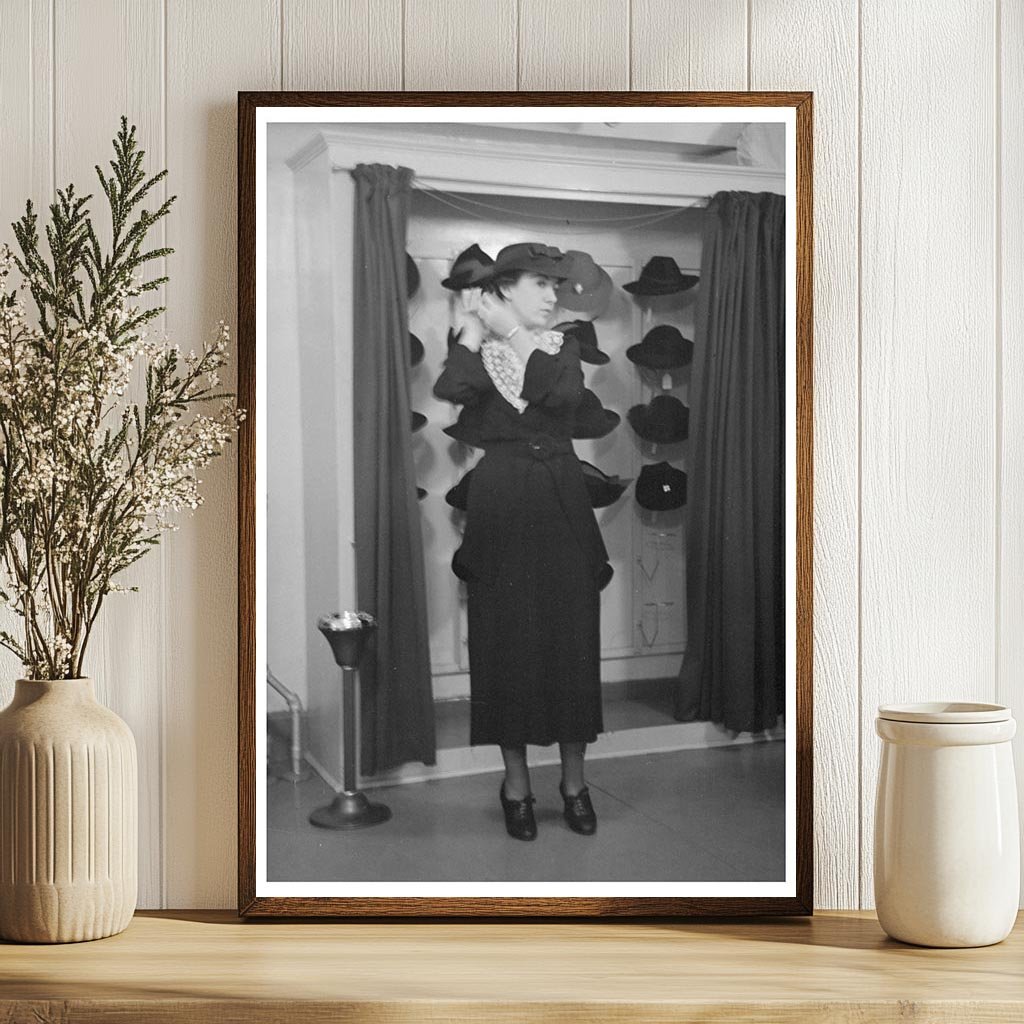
(507, 370)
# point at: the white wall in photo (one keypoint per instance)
(919, 344)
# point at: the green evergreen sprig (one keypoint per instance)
(88, 477)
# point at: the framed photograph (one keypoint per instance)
(525, 504)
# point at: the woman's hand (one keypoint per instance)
(468, 321)
(495, 317)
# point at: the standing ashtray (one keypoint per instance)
(348, 634)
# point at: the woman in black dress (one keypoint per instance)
(532, 554)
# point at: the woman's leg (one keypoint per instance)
(572, 767)
(579, 811)
(517, 774)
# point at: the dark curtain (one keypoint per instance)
(734, 669)
(397, 709)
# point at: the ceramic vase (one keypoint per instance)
(947, 846)
(68, 815)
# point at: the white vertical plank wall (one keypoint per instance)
(342, 44)
(928, 512)
(213, 50)
(26, 123)
(919, 303)
(1009, 344)
(689, 45)
(125, 656)
(832, 75)
(575, 44)
(470, 45)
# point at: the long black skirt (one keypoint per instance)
(534, 632)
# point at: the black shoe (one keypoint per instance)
(519, 819)
(579, 811)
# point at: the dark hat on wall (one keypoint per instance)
(661, 487)
(661, 276)
(662, 348)
(584, 333)
(415, 350)
(593, 420)
(471, 268)
(418, 420)
(458, 496)
(465, 429)
(534, 257)
(587, 287)
(412, 276)
(421, 493)
(603, 490)
(664, 420)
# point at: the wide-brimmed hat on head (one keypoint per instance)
(471, 268)
(661, 276)
(604, 490)
(662, 348)
(661, 487)
(664, 420)
(587, 287)
(415, 350)
(534, 257)
(412, 276)
(585, 335)
(593, 420)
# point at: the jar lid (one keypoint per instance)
(945, 712)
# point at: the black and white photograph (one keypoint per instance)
(525, 502)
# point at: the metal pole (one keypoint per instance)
(350, 731)
(298, 773)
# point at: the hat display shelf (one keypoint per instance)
(662, 294)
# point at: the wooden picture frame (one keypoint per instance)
(254, 896)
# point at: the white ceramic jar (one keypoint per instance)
(947, 846)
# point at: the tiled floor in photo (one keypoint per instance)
(709, 815)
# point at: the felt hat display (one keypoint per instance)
(587, 288)
(458, 496)
(661, 276)
(531, 256)
(661, 487)
(664, 420)
(418, 420)
(415, 350)
(464, 430)
(593, 420)
(584, 333)
(471, 268)
(662, 348)
(412, 276)
(603, 490)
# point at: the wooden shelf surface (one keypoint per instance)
(200, 966)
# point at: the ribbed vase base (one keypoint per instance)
(63, 913)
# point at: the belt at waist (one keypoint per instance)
(537, 448)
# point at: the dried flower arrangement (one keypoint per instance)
(88, 477)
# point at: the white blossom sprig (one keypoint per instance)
(88, 478)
